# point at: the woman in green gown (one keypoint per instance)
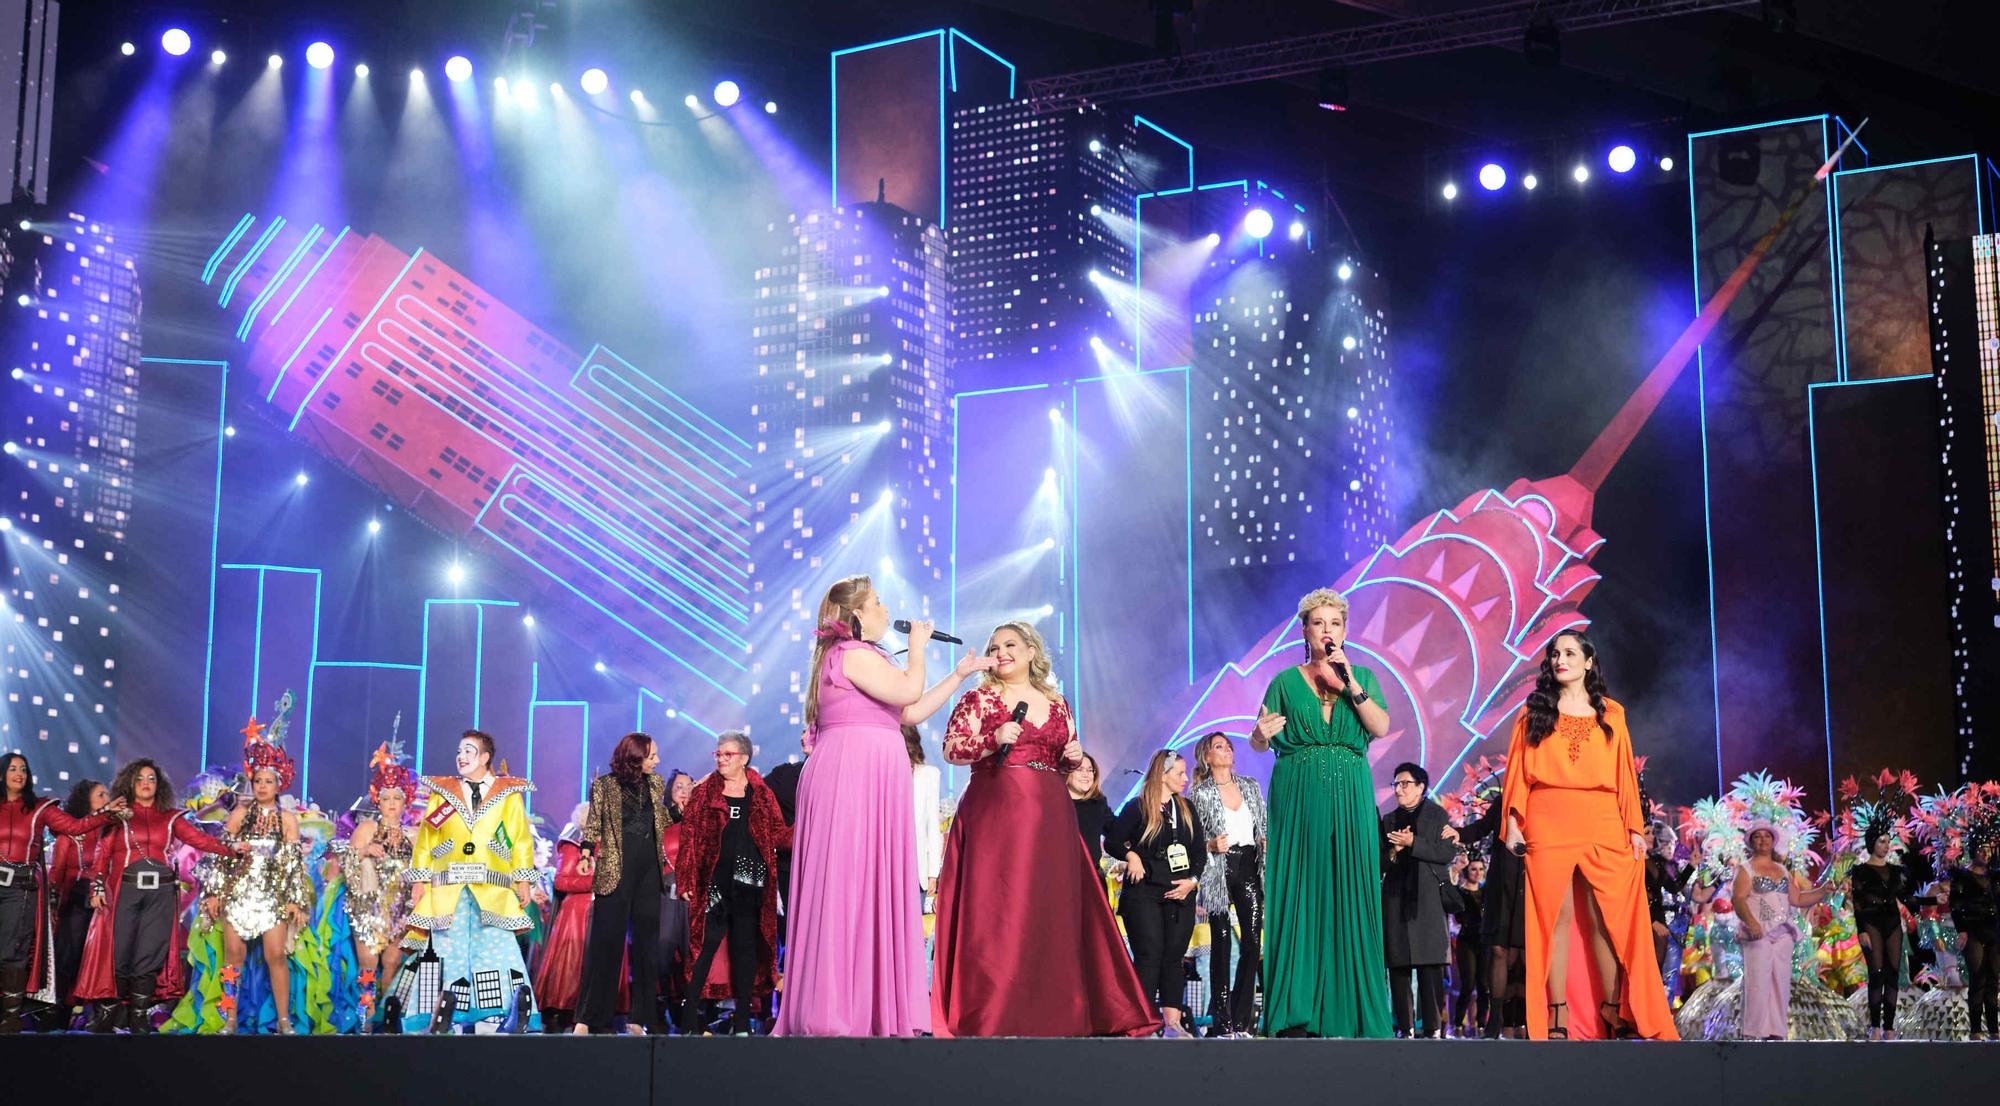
(1323, 969)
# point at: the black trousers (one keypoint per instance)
(1159, 929)
(72, 926)
(1468, 973)
(732, 920)
(17, 921)
(1883, 950)
(1233, 1003)
(633, 910)
(144, 926)
(1982, 994)
(1430, 998)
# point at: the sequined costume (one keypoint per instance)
(256, 888)
(378, 904)
(1767, 957)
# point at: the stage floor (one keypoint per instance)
(500, 1071)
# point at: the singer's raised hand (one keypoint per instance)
(972, 662)
(920, 634)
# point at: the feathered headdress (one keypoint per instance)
(264, 746)
(1952, 824)
(1755, 801)
(1886, 814)
(387, 772)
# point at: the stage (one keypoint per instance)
(759, 1071)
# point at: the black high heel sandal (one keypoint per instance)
(1558, 1032)
(1619, 1028)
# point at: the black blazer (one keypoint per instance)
(1123, 837)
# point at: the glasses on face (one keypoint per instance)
(1401, 784)
(731, 755)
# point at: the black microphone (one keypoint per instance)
(1339, 668)
(902, 626)
(1020, 713)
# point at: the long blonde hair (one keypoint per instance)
(1041, 674)
(1202, 772)
(840, 607)
(1153, 794)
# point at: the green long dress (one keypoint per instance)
(1323, 967)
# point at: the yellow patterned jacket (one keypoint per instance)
(484, 851)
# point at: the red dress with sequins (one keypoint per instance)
(1026, 944)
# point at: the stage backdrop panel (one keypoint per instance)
(1883, 601)
(1883, 211)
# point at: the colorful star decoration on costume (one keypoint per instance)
(365, 979)
(253, 732)
(226, 1004)
(230, 973)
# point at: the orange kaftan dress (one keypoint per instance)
(1577, 798)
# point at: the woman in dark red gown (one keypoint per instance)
(1026, 944)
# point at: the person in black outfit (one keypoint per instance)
(784, 784)
(1502, 925)
(1879, 889)
(626, 837)
(729, 849)
(1416, 855)
(1093, 813)
(1468, 952)
(1231, 808)
(1974, 914)
(1165, 850)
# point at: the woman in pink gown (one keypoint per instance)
(1026, 944)
(854, 962)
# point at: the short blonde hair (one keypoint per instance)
(1322, 597)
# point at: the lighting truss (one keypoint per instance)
(1495, 25)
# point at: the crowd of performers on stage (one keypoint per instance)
(1546, 897)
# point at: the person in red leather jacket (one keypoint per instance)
(71, 865)
(128, 957)
(27, 936)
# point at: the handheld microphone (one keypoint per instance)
(1020, 714)
(902, 626)
(1338, 667)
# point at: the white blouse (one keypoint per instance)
(1242, 829)
(924, 780)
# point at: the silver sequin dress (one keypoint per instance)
(255, 889)
(378, 903)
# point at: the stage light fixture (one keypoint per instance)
(176, 41)
(1097, 210)
(1666, 165)
(726, 94)
(770, 107)
(1345, 272)
(374, 526)
(319, 55)
(1348, 343)
(888, 494)
(593, 81)
(361, 71)
(1621, 159)
(227, 431)
(1450, 191)
(637, 96)
(1096, 147)
(1055, 413)
(1354, 485)
(416, 76)
(883, 427)
(1048, 543)
(1580, 174)
(16, 372)
(1333, 91)
(458, 67)
(1530, 182)
(1214, 239)
(1492, 177)
(1258, 223)
(127, 49)
(888, 566)
(692, 101)
(1297, 230)
(525, 93)
(455, 573)
(528, 620)
(9, 449)
(1097, 343)
(1094, 276)
(1044, 611)
(598, 666)
(22, 299)
(1354, 412)
(555, 88)
(301, 479)
(26, 225)
(1049, 476)
(274, 62)
(217, 57)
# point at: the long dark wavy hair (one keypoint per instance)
(121, 785)
(78, 803)
(28, 790)
(1542, 701)
(628, 760)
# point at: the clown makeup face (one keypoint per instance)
(472, 759)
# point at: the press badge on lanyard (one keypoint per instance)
(1177, 854)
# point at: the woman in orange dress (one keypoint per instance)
(1573, 812)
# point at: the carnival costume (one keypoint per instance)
(27, 931)
(473, 844)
